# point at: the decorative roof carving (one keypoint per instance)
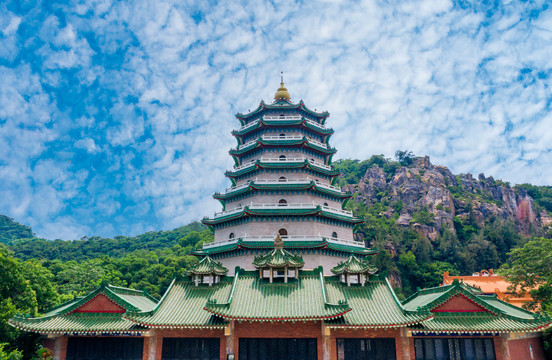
(278, 258)
(354, 266)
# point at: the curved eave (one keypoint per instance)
(298, 165)
(414, 320)
(281, 212)
(290, 245)
(284, 187)
(276, 143)
(283, 105)
(280, 123)
(78, 323)
(332, 315)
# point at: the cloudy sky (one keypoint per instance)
(115, 116)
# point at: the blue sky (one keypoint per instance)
(115, 116)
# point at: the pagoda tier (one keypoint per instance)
(282, 164)
(291, 122)
(282, 184)
(282, 107)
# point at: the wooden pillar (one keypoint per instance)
(155, 342)
(229, 334)
(285, 274)
(502, 349)
(403, 344)
(326, 342)
(60, 347)
(348, 279)
(271, 274)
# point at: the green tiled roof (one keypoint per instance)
(81, 323)
(373, 305)
(208, 266)
(282, 211)
(354, 266)
(256, 299)
(279, 123)
(283, 105)
(289, 244)
(62, 319)
(182, 306)
(284, 187)
(278, 258)
(498, 317)
(281, 165)
(301, 142)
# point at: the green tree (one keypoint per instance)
(404, 157)
(531, 270)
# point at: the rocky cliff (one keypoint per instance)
(434, 189)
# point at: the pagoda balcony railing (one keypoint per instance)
(282, 118)
(312, 205)
(280, 138)
(283, 160)
(270, 238)
(266, 181)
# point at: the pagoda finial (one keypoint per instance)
(282, 93)
(278, 242)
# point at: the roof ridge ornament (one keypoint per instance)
(282, 93)
(278, 242)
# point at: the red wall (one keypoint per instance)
(519, 349)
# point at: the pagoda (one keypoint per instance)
(285, 279)
(283, 184)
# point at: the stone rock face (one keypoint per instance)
(423, 186)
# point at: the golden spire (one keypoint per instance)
(282, 93)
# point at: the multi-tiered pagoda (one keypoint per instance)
(284, 278)
(282, 184)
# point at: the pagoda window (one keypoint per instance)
(282, 157)
(326, 204)
(334, 235)
(282, 202)
(282, 179)
(282, 135)
(283, 232)
(231, 236)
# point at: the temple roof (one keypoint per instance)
(303, 142)
(301, 122)
(100, 312)
(289, 244)
(458, 308)
(316, 210)
(260, 164)
(354, 266)
(208, 266)
(373, 305)
(182, 306)
(255, 299)
(280, 105)
(284, 186)
(278, 257)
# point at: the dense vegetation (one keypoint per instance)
(470, 246)
(42, 273)
(67, 269)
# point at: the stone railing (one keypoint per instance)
(282, 160)
(275, 181)
(270, 238)
(282, 118)
(285, 206)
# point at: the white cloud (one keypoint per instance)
(118, 113)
